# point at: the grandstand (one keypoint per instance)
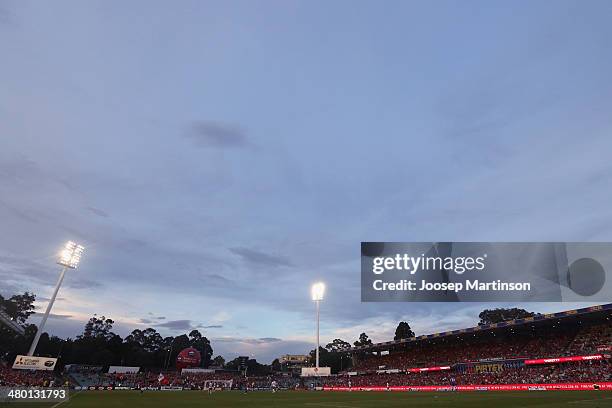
(565, 347)
(21, 378)
(84, 375)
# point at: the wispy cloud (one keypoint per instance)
(98, 212)
(6, 16)
(46, 299)
(207, 134)
(54, 315)
(177, 325)
(261, 258)
(263, 340)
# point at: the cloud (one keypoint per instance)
(269, 340)
(177, 325)
(46, 299)
(468, 168)
(18, 212)
(19, 171)
(261, 258)
(18, 168)
(54, 315)
(5, 15)
(98, 212)
(216, 135)
(15, 268)
(221, 316)
(213, 278)
(9, 289)
(83, 284)
(152, 320)
(257, 341)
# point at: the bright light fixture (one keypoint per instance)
(71, 255)
(317, 291)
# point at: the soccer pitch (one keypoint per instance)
(543, 399)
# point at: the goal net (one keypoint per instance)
(218, 384)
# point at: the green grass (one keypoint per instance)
(540, 399)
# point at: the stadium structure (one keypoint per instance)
(8, 322)
(569, 350)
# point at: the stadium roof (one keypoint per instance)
(10, 323)
(593, 311)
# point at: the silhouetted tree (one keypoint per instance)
(364, 340)
(403, 331)
(490, 316)
(98, 345)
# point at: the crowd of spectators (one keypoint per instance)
(26, 378)
(589, 371)
(265, 382)
(446, 352)
(218, 379)
(148, 379)
(590, 339)
(546, 346)
(440, 353)
(157, 378)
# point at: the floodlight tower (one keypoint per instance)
(69, 259)
(317, 291)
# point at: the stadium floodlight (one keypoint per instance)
(71, 255)
(317, 291)
(69, 258)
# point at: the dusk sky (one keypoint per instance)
(218, 157)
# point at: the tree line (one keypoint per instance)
(99, 345)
